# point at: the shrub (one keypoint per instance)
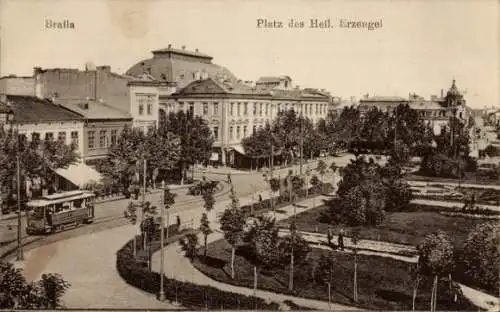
(189, 295)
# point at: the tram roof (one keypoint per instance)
(59, 199)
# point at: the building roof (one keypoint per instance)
(33, 109)
(423, 104)
(93, 109)
(179, 66)
(384, 99)
(453, 91)
(171, 50)
(213, 87)
(272, 79)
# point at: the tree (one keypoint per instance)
(374, 130)
(263, 239)
(232, 223)
(321, 169)
(316, 183)
(38, 158)
(209, 201)
(293, 249)
(435, 259)
(205, 230)
(261, 143)
(125, 163)
(355, 240)
(361, 195)
(189, 243)
(347, 128)
(196, 139)
(286, 128)
(482, 257)
(17, 293)
(274, 184)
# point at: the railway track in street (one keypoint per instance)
(8, 249)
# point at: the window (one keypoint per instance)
(254, 129)
(316, 111)
(216, 108)
(231, 134)
(279, 107)
(35, 137)
(216, 133)
(150, 107)
(91, 143)
(102, 138)
(244, 131)
(74, 138)
(238, 132)
(267, 109)
(254, 109)
(239, 109)
(292, 106)
(205, 109)
(245, 108)
(260, 109)
(114, 135)
(310, 109)
(49, 136)
(61, 137)
(150, 129)
(141, 105)
(286, 106)
(181, 106)
(231, 110)
(191, 107)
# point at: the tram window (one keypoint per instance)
(59, 207)
(78, 203)
(38, 212)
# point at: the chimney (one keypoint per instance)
(196, 50)
(105, 68)
(37, 83)
(169, 45)
(442, 93)
(183, 47)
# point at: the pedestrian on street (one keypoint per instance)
(260, 198)
(341, 239)
(229, 178)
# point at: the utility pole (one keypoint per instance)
(144, 189)
(20, 255)
(161, 295)
(301, 142)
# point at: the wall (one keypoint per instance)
(145, 120)
(55, 127)
(17, 85)
(76, 84)
(97, 126)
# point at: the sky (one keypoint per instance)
(421, 46)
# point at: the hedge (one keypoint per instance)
(189, 295)
(281, 201)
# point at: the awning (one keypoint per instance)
(239, 148)
(79, 174)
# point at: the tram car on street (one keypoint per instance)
(59, 211)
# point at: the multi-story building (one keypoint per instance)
(236, 110)
(103, 125)
(41, 119)
(16, 85)
(436, 112)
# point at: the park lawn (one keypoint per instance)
(469, 179)
(383, 283)
(398, 227)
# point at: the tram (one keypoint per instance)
(58, 211)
